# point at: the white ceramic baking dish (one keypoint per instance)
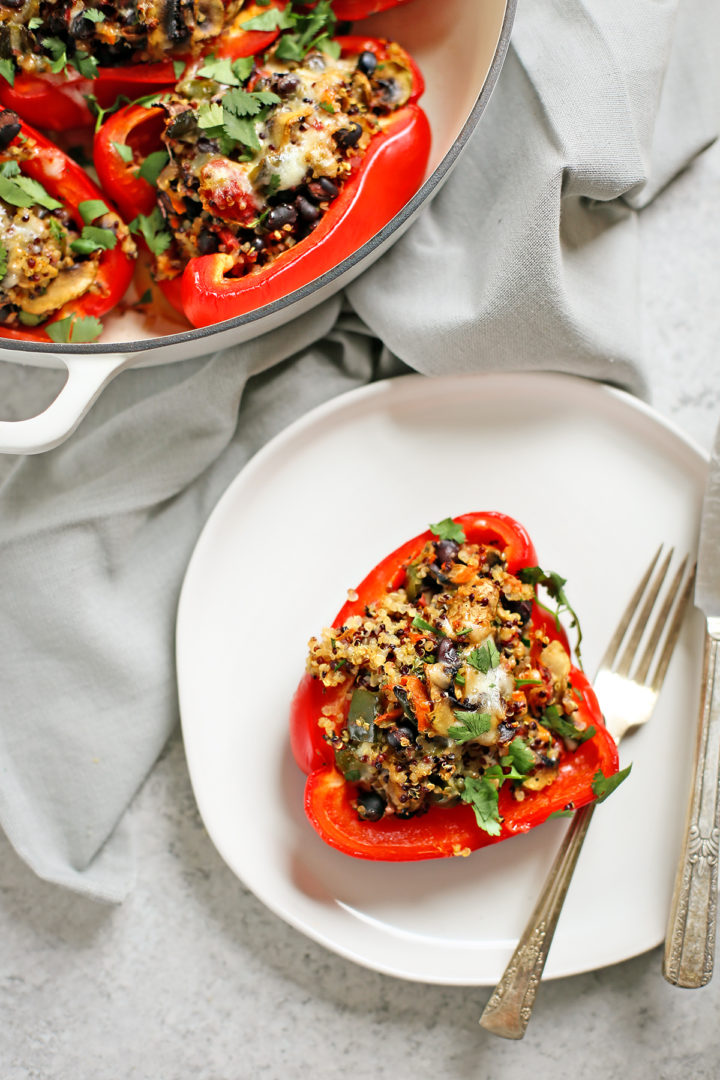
(460, 46)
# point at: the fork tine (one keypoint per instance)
(641, 673)
(623, 667)
(616, 639)
(673, 632)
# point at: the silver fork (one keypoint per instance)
(627, 702)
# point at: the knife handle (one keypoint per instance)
(690, 941)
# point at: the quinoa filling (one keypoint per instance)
(46, 258)
(452, 691)
(46, 34)
(255, 156)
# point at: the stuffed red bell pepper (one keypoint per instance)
(63, 65)
(441, 712)
(255, 179)
(66, 257)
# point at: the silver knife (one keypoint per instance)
(690, 940)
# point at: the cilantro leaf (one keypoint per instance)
(553, 719)
(555, 586)
(605, 785)
(271, 20)
(483, 797)
(19, 190)
(7, 70)
(3, 261)
(471, 726)
(519, 756)
(211, 117)
(447, 529)
(226, 71)
(179, 68)
(56, 48)
(34, 23)
(484, 658)
(152, 227)
(93, 15)
(91, 209)
(329, 46)
(153, 165)
(86, 64)
(74, 328)
(94, 239)
(124, 151)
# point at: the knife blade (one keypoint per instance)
(690, 939)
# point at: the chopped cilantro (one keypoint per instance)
(605, 785)
(483, 797)
(210, 118)
(7, 70)
(273, 184)
(327, 106)
(91, 209)
(471, 726)
(100, 113)
(74, 328)
(19, 190)
(56, 48)
(152, 227)
(153, 165)
(447, 529)
(34, 23)
(485, 658)
(243, 103)
(3, 261)
(553, 719)
(93, 15)
(519, 756)
(59, 234)
(555, 586)
(179, 67)
(86, 64)
(124, 151)
(271, 20)
(226, 71)
(94, 239)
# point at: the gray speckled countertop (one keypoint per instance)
(192, 976)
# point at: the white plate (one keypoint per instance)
(598, 479)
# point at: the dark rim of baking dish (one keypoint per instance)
(438, 174)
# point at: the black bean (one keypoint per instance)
(401, 737)
(348, 137)
(257, 243)
(323, 190)
(207, 242)
(390, 91)
(193, 208)
(367, 62)
(370, 805)
(446, 550)
(175, 24)
(316, 62)
(307, 210)
(12, 3)
(9, 127)
(81, 28)
(523, 608)
(279, 216)
(284, 85)
(447, 653)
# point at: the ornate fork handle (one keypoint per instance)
(509, 1009)
(690, 941)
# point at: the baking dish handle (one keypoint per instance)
(87, 376)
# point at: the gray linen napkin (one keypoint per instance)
(526, 259)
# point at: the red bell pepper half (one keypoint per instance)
(67, 182)
(441, 831)
(60, 102)
(387, 175)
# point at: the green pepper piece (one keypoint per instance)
(364, 707)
